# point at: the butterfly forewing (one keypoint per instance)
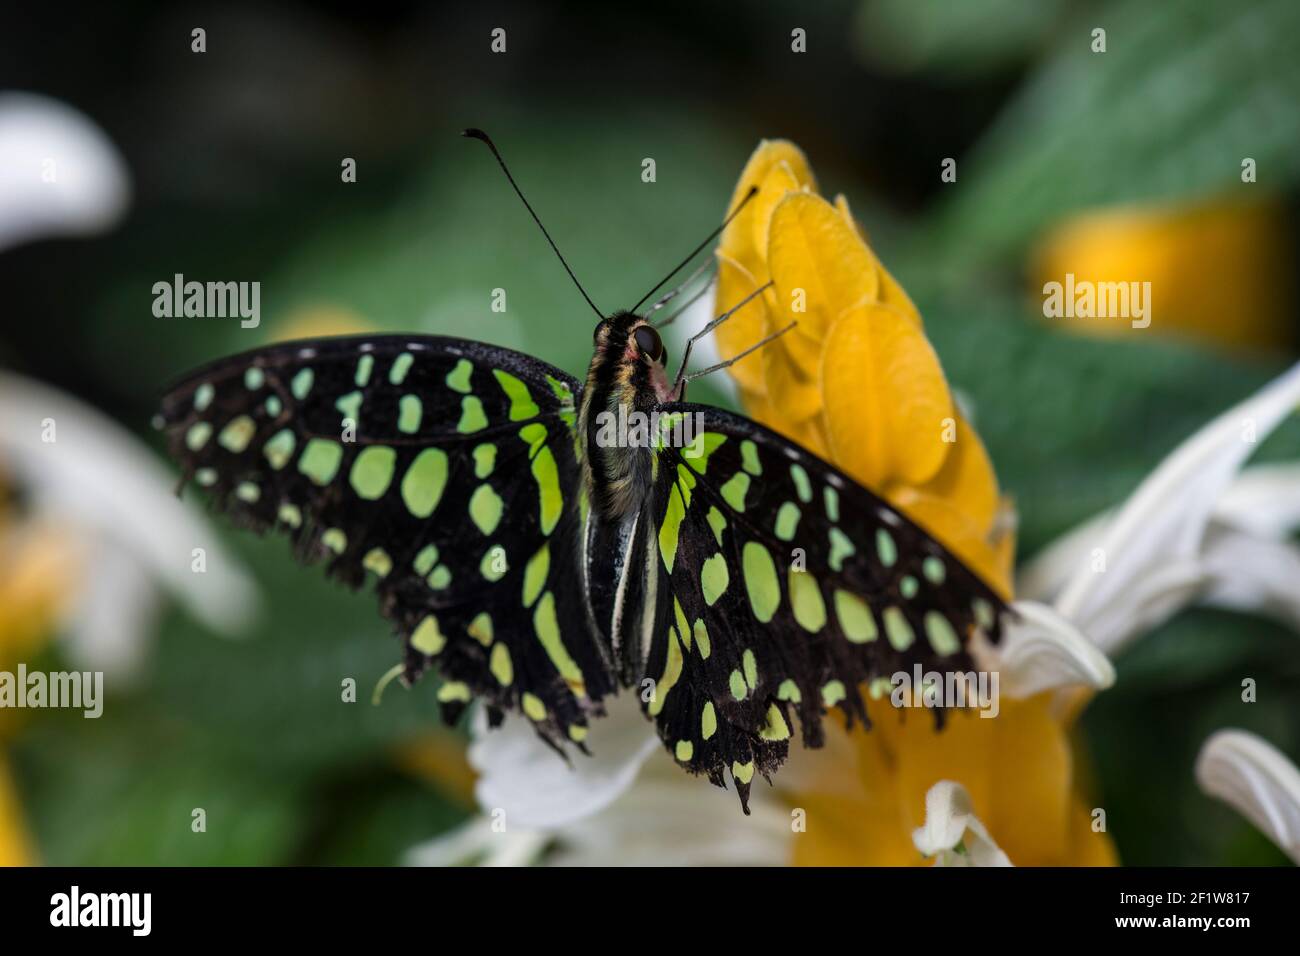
(444, 470)
(785, 589)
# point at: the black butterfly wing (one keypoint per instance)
(444, 470)
(784, 586)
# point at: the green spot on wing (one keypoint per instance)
(535, 573)
(401, 365)
(547, 477)
(350, 405)
(320, 460)
(943, 638)
(717, 522)
(424, 481)
(472, 418)
(410, 410)
(485, 507)
(237, 434)
(841, 548)
(425, 560)
(885, 547)
(760, 580)
(733, 492)
(427, 639)
(855, 618)
(458, 377)
(365, 365)
(714, 579)
(787, 520)
(302, 382)
(807, 602)
(372, 471)
(897, 629)
(521, 402)
(802, 486)
(485, 457)
(502, 667)
(547, 626)
(197, 436)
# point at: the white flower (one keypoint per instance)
(1040, 650)
(1189, 533)
(96, 481)
(1256, 779)
(952, 834)
(627, 804)
(59, 173)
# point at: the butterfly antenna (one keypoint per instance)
(753, 190)
(482, 136)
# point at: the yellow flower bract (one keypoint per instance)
(857, 382)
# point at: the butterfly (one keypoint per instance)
(541, 555)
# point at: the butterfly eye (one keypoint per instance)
(595, 333)
(647, 340)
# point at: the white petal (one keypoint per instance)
(1040, 650)
(112, 621)
(1252, 574)
(1163, 523)
(1044, 576)
(670, 818)
(59, 173)
(477, 842)
(1257, 780)
(537, 789)
(950, 822)
(1265, 500)
(97, 477)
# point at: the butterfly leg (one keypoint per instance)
(737, 357)
(710, 327)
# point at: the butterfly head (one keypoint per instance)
(631, 358)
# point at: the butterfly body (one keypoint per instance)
(734, 580)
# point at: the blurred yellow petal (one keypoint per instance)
(438, 757)
(886, 398)
(745, 328)
(966, 481)
(317, 321)
(15, 845)
(39, 567)
(819, 264)
(1219, 271)
(737, 240)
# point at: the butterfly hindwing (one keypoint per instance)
(784, 588)
(442, 469)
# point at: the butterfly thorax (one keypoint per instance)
(626, 383)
